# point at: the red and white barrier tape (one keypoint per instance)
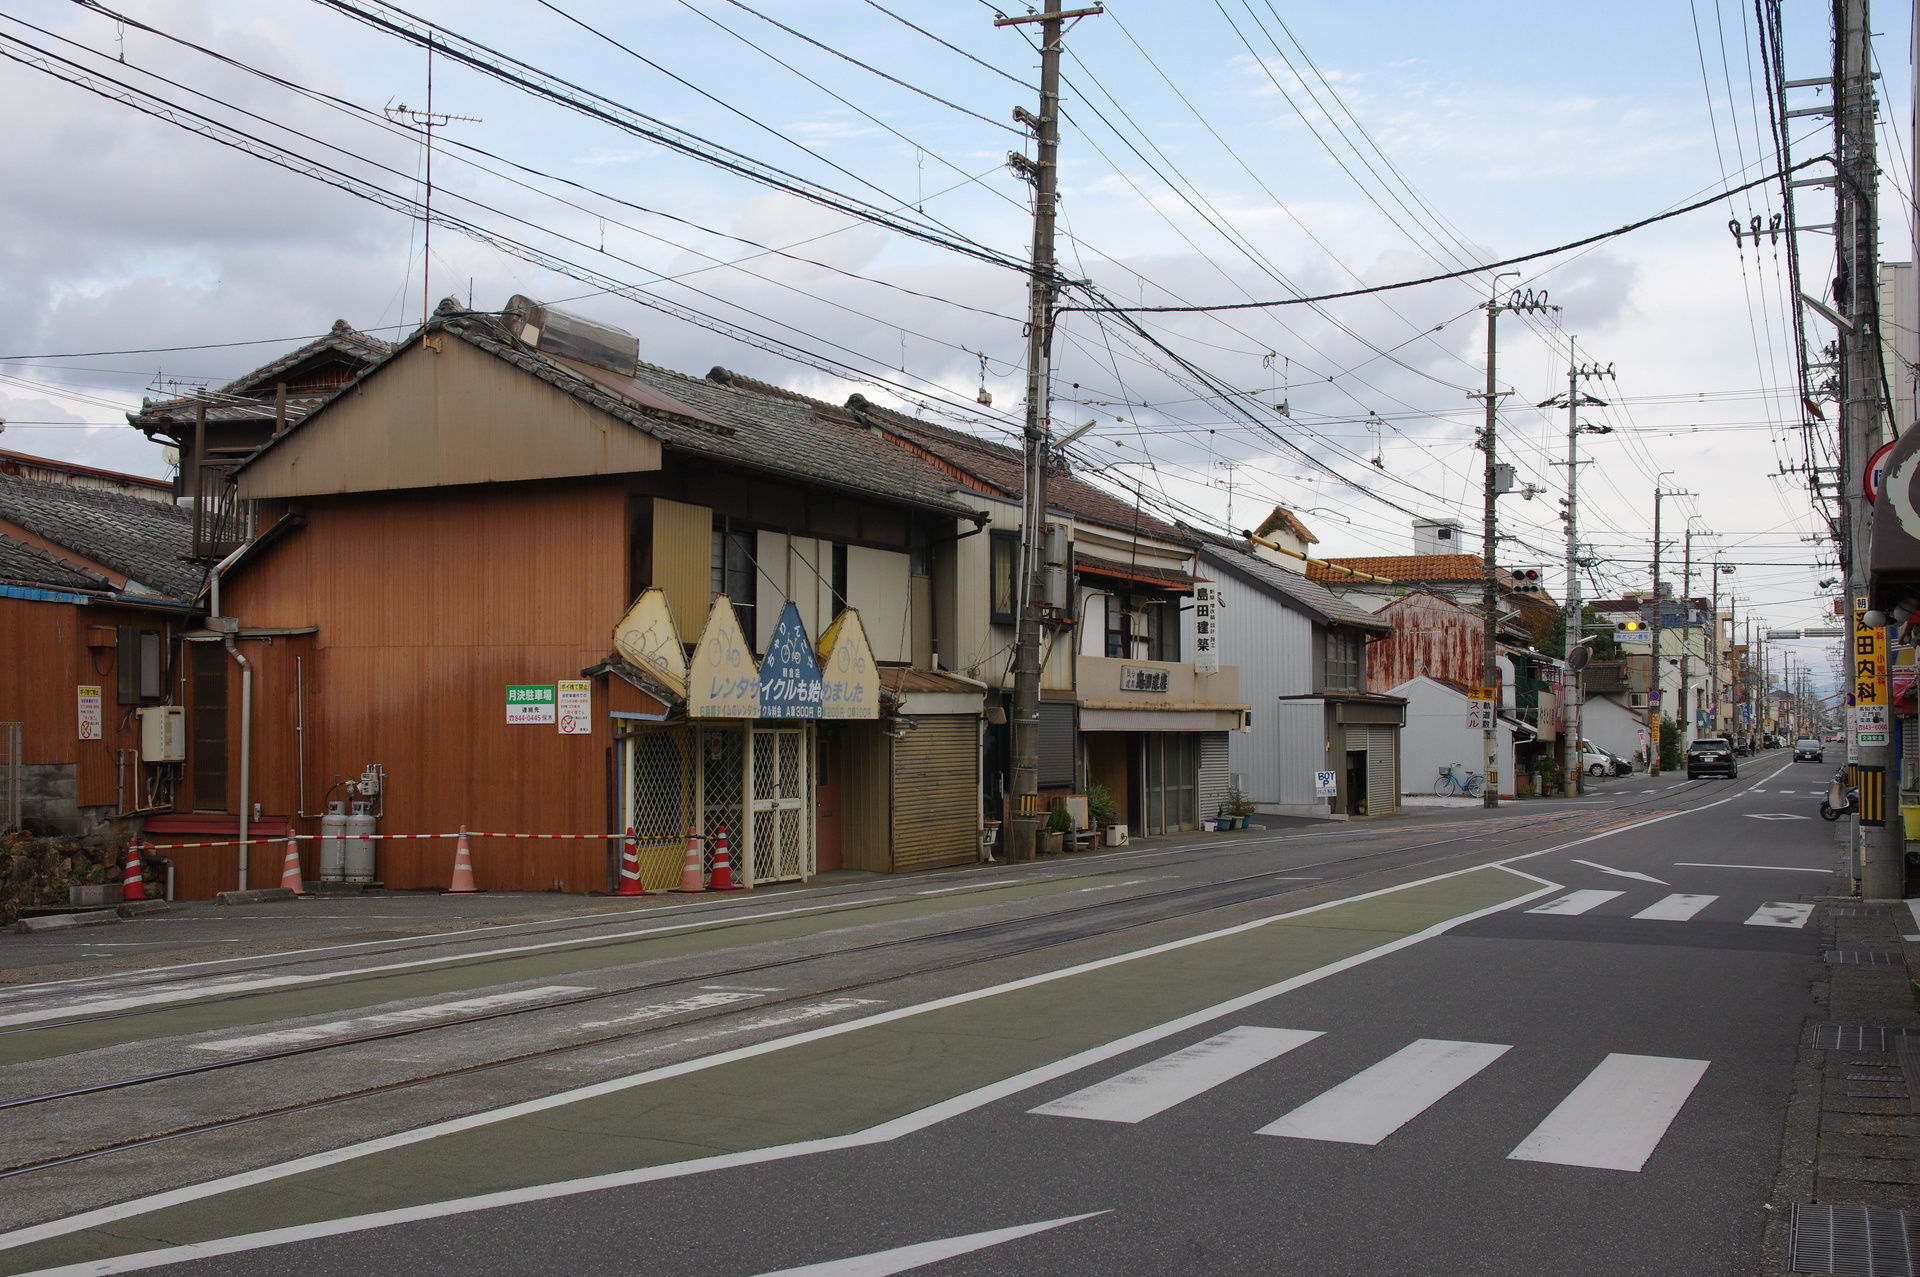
(280, 838)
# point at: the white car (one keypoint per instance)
(1595, 761)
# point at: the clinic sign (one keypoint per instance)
(1868, 646)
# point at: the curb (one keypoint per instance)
(62, 921)
(257, 896)
(136, 908)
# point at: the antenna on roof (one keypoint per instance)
(427, 121)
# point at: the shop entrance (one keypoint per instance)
(1356, 782)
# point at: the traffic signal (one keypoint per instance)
(1626, 627)
(1527, 580)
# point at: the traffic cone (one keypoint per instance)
(630, 884)
(722, 863)
(462, 868)
(133, 887)
(691, 877)
(290, 868)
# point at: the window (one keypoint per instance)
(1342, 672)
(1003, 577)
(142, 666)
(733, 576)
(1163, 630)
(839, 578)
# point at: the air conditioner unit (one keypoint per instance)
(163, 734)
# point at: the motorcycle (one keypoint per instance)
(1841, 799)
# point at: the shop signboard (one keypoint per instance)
(650, 641)
(723, 682)
(530, 703)
(790, 684)
(849, 678)
(1206, 629)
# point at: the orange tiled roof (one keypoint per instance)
(1405, 567)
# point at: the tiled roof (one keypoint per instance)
(1311, 595)
(696, 416)
(30, 565)
(1409, 567)
(1285, 518)
(255, 390)
(994, 466)
(141, 539)
(1605, 676)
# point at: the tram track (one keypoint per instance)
(713, 921)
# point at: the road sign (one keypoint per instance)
(1876, 471)
(1783, 634)
(530, 703)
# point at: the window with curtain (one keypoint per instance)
(1003, 577)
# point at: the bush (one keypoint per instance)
(1060, 821)
(1669, 745)
(1101, 808)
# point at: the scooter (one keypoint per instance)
(1840, 800)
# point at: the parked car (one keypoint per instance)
(1711, 756)
(1809, 749)
(1595, 761)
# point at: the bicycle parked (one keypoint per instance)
(1453, 784)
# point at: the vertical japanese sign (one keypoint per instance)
(573, 698)
(1869, 682)
(1480, 702)
(89, 705)
(530, 703)
(1206, 629)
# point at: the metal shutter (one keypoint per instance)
(1383, 788)
(1059, 745)
(936, 794)
(1215, 783)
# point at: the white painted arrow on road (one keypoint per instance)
(899, 1260)
(1623, 873)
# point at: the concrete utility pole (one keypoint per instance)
(1856, 283)
(1656, 698)
(1022, 823)
(1575, 609)
(1494, 482)
(1688, 712)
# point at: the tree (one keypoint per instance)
(1669, 744)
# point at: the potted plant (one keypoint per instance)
(1105, 814)
(1237, 808)
(1053, 837)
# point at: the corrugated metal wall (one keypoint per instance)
(683, 562)
(1059, 745)
(1383, 790)
(1301, 750)
(1433, 636)
(1273, 646)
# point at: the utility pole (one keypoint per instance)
(1688, 715)
(1575, 609)
(1656, 700)
(1495, 480)
(1043, 170)
(1856, 285)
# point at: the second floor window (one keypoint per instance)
(733, 576)
(1003, 577)
(1342, 673)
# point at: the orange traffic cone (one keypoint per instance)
(691, 877)
(630, 884)
(290, 868)
(722, 863)
(134, 887)
(462, 868)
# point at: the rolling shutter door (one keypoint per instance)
(936, 794)
(1215, 783)
(1383, 787)
(1059, 749)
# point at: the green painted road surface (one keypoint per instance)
(827, 1083)
(457, 974)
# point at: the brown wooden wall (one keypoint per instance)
(429, 603)
(44, 658)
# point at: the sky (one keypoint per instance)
(1215, 151)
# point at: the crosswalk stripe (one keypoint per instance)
(1778, 914)
(1576, 902)
(1676, 908)
(1616, 1117)
(1160, 1084)
(1376, 1102)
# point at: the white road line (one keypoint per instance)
(1616, 1117)
(1576, 902)
(385, 1020)
(1622, 873)
(660, 1010)
(1779, 914)
(1708, 864)
(1158, 1085)
(1376, 1102)
(1676, 908)
(1785, 791)
(883, 1263)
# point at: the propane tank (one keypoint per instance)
(333, 849)
(360, 823)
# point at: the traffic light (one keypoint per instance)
(1527, 580)
(1629, 627)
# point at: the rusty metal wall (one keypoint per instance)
(1431, 635)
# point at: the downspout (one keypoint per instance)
(229, 628)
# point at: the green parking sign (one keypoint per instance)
(530, 703)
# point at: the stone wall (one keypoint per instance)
(36, 872)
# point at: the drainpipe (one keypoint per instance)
(228, 628)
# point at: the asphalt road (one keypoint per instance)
(1556, 1038)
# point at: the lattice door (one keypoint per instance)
(782, 827)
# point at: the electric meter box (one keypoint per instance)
(163, 734)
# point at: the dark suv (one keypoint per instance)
(1711, 756)
(1809, 749)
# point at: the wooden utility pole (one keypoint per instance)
(1021, 821)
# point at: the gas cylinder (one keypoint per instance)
(360, 849)
(333, 851)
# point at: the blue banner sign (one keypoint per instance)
(789, 674)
